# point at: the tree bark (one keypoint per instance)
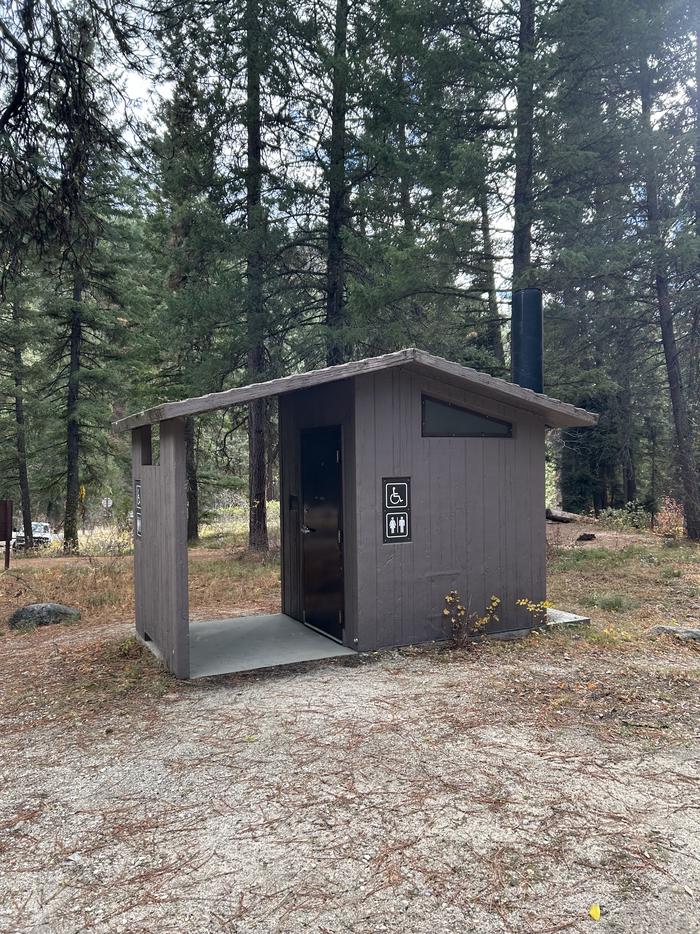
(690, 479)
(696, 197)
(524, 117)
(404, 175)
(75, 340)
(272, 448)
(21, 430)
(626, 438)
(255, 268)
(192, 483)
(337, 347)
(694, 342)
(493, 328)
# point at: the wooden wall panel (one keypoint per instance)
(477, 511)
(160, 552)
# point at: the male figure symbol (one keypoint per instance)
(396, 525)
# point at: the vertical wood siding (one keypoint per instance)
(160, 554)
(316, 407)
(478, 523)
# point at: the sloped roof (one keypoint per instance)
(555, 413)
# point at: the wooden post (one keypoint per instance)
(6, 527)
(141, 455)
(160, 544)
(174, 547)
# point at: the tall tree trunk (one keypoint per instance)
(696, 197)
(20, 429)
(652, 436)
(690, 477)
(337, 349)
(255, 268)
(192, 483)
(524, 117)
(75, 340)
(694, 342)
(404, 175)
(629, 476)
(627, 438)
(493, 327)
(272, 448)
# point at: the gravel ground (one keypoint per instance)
(503, 790)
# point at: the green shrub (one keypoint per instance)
(628, 518)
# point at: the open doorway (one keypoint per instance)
(247, 637)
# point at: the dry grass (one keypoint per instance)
(628, 589)
(500, 790)
(226, 581)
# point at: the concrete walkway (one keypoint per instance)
(221, 646)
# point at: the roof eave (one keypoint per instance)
(555, 413)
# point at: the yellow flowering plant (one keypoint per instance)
(538, 611)
(461, 626)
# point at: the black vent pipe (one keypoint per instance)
(526, 339)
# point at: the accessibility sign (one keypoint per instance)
(396, 503)
(396, 494)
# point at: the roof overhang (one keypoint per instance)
(556, 414)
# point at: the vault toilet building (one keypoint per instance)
(402, 477)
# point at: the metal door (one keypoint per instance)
(321, 530)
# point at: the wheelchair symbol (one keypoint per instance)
(396, 495)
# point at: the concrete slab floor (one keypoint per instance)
(564, 618)
(555, 618)
(244, 643)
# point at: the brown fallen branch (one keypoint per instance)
(558, 515)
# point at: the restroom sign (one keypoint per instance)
(396, 526)
(396, 509)
(137, 509)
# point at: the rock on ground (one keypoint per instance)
(685, 635)
(42, 614)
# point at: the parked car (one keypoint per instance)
(41, 533)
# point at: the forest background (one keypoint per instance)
(197, 194)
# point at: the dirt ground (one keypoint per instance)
(500, 790)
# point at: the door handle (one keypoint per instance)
(305, 530)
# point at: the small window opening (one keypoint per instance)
(447, 420)
(150, 444)
(155, 443)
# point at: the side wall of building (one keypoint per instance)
(332, 404)
(478, 514)
(160, 544)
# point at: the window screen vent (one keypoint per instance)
(445, 420)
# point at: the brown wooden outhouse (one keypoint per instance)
(402, 477)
